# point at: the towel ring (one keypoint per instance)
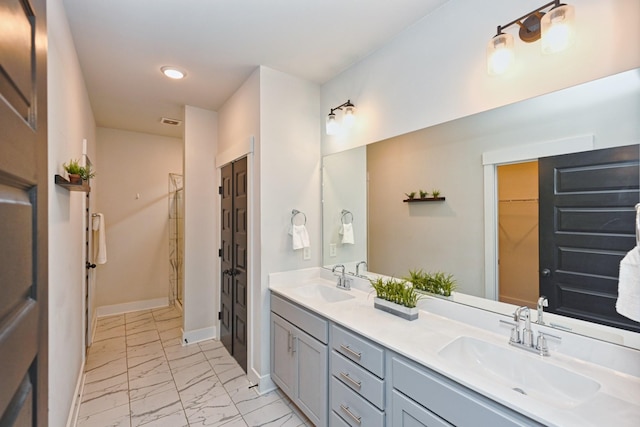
(344, 215)
(295, 213)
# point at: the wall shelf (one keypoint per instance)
(84, 187)
(426, 199)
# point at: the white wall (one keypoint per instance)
(133, 172)
(70, 120)
(201, 230)
(435, 71)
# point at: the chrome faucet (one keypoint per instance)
(358, 267)
(542, 302)
(343, 282)
(524, 339)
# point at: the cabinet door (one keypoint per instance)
(312, 378)
(282, 355)
(407, 413)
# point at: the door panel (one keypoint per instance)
(586, 227)
(226, 265)
(23, 213)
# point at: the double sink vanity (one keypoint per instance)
(342, 362)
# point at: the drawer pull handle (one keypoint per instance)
(289, 341)
(351, 414)
(355, 383)
(349, 350)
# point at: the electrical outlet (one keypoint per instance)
(332, 249)
(306, 253)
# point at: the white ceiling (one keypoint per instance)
(122, 44)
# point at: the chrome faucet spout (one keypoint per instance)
(343, 282)
(358, 267)
(542, 302)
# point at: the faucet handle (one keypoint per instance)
(515, 334)
(541, 343)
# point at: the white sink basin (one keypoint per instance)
(323, 293)
(521, 372)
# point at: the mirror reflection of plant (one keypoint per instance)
(396, 291)
(438, 283)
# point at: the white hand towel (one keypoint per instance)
(100, 244)
(628, 303)
(300, 237)
(347, 234)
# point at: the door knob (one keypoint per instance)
(90, 265)
(546, 272)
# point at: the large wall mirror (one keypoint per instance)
(482, 164)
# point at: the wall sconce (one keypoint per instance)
(555, 27)
(333, 126)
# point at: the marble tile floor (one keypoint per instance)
(138, 374)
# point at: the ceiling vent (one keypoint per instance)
(170, 122)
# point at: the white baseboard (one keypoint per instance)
(72, 419)
(127, 307)
(197, 335)
(265, 384)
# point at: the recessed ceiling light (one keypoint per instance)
(173, 73)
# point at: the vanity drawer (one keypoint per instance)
(358, 379)
(363, 352)
(314, 325)
(445, 397)
(336, 421)
(352, 408)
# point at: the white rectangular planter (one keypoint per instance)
(396, 309)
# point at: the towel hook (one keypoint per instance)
(296, 212)
(344, 215)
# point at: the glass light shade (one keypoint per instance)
(349, 117)
(500, 54)
(173, 73)
(558, 29)
(333, 127)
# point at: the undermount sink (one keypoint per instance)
(521, 372)
(323, 293)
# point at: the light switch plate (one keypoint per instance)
(332, 249)
(306, 253)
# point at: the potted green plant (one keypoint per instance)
(435, 193)
(423, 194)
(86, 173)
(411, 195)
(74, 170)
(396, 297)
(437, 283)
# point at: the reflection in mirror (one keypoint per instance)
(450, 236)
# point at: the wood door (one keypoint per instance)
(23, 213)
(234, 257)
(240, 258)
(587, 221)
(226, 255)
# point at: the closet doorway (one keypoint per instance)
(234, 256)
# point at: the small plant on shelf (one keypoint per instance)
(423, 194)
(435, 193)
(74, 170)
(86, 173)
(411, 195)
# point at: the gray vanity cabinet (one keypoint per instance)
(299, 357)
(422, 397)
(357, 386)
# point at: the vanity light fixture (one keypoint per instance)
(173, 73)
(333, 126)
(555, 27)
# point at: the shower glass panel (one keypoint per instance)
(176, 238)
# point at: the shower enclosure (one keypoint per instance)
(176, 238)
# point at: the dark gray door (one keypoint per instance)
(587, 221)
(23, 213)
(234, 256)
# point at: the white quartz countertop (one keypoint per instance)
(616, 403)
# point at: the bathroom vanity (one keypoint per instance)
(344, 363)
